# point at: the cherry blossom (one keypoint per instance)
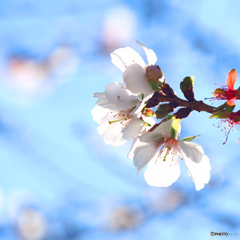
(227, 92)
(161, 150)
(133, 68)
(120, 114)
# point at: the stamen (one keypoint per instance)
(168, 149)
(227, 125)
(169, 146)
(121, 119)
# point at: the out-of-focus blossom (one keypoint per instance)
(164, 165)
(119, 27)
(124, 218)
(166, 201)
(63, 61)
(30, 224)
(30, 76)
(25, 74)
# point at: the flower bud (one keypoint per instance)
(153, 73)
(187, 83)
(167, 90)
(189, 94)
(183, 112)
(187, 88)
(153, 101)
(148, 112)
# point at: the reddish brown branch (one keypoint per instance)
(194, 105)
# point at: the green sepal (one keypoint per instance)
(146, 124)
(160, 114)
(229, 108)
(221, 107)
(223, 112)
(187, 83)
(154, 85)
(163, 111)
(190, 139)
(220, 114)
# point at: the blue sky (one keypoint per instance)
(53, 56)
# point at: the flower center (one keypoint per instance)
(231, 94)
(122, 117)
(169, 148)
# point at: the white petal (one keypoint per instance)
(142, 153)
(150, 54)
(123, 57)
(160, 132)
(139, 107)
(161, 173)
(133, 129)
(149, 120)
(141, 104)
(103, 101)
(198, 169)
(118, 95)
(112, 133)
(192, 150)
(99, 113)
(133, 147)
(136, 80)
(99, 95)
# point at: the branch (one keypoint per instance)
(194, 105)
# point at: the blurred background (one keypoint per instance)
(58, 179)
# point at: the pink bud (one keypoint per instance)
(153, 73)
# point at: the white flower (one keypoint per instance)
(118, 112)
(133, 66)
(163, 166)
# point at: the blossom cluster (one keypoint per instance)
(124, 113)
